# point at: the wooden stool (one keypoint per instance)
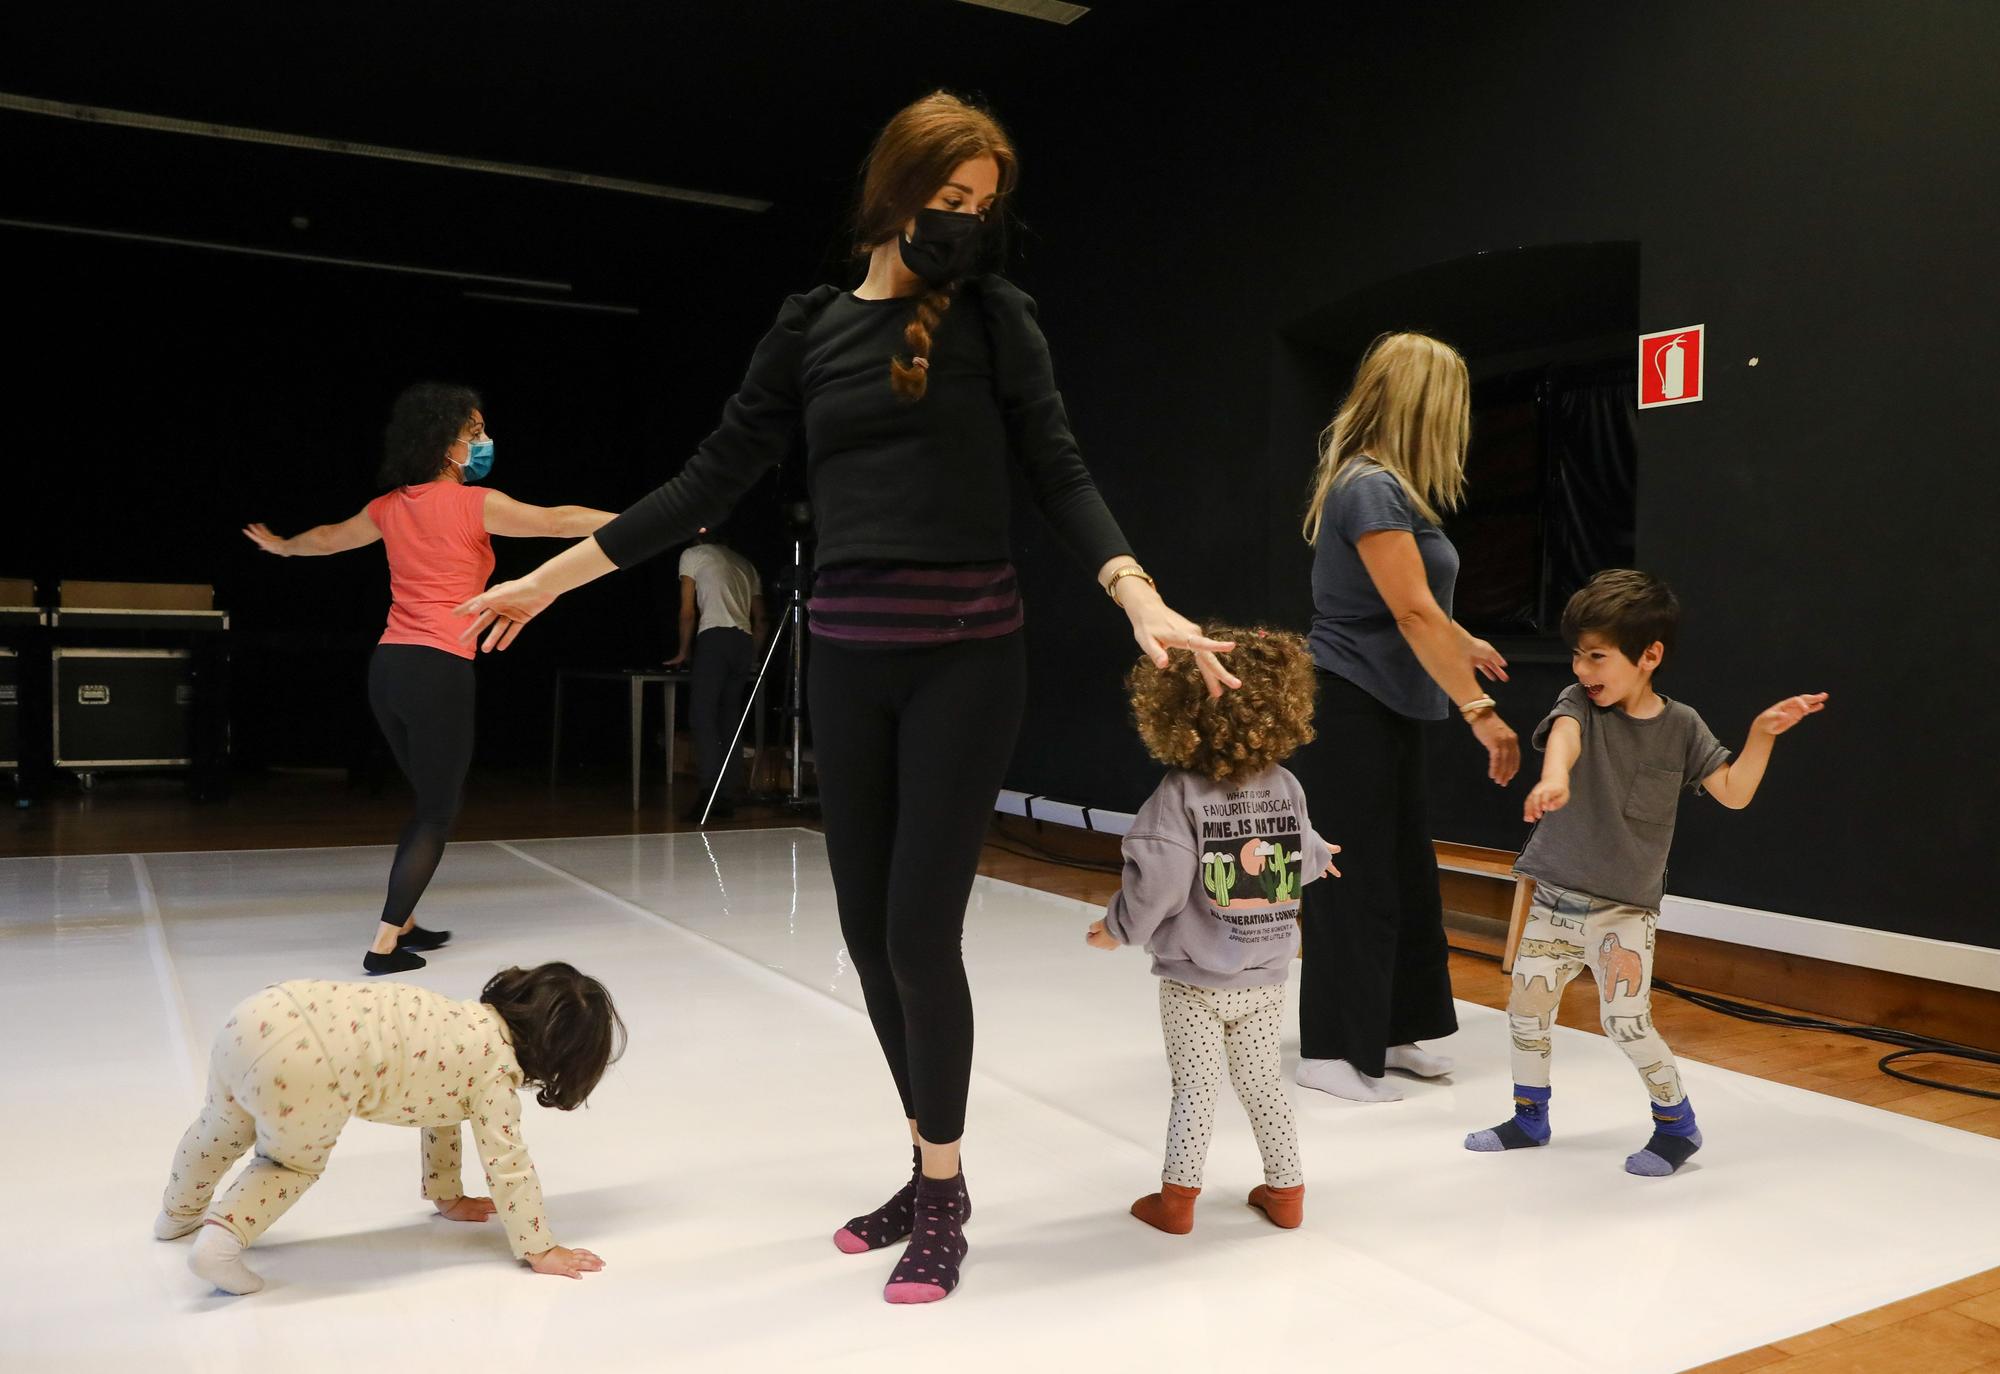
(1493, 863)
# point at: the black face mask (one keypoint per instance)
(945, 247)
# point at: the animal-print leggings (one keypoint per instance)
(1566, 931)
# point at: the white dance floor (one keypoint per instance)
(752, 1116)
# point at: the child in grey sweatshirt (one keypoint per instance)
(1214, 863)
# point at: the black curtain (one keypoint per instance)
(1593, 473)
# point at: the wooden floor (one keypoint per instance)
(150, 813)
(1946, 1331)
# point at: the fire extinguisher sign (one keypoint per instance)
(1670, 366)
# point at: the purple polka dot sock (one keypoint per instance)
(888, 1223)
(928, 1270)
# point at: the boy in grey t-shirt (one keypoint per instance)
(1624, 753)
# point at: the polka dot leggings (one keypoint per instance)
(1204, 1028)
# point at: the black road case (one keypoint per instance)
(123, 708)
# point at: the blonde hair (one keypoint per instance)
(1410, 411)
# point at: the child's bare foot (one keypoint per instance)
(569, 1264)
(473, 1209)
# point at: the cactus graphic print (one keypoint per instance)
(1213, 873)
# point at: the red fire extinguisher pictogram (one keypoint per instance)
(1670, 366)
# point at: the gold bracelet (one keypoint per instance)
(1129, 570)
(1467, 711)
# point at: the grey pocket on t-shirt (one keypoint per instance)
(1654, 796)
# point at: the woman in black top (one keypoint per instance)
(915, 392)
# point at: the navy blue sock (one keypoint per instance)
(1675, 1120)
(1675, 1139)
(1528, 1126)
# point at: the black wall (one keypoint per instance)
(1816, 184)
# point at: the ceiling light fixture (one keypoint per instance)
(1055, 11)
(84, 231)
(128, 119)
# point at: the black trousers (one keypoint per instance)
(911, 747)
(1376, 966)
(423, 700)
(724, 666)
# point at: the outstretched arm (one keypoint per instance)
(1736, 782)
(1157, 627)
(507, 606)
(519, 520)
(355, 532)
(1558, 757)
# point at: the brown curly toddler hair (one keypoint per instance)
(1255, 727)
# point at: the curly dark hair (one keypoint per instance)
(1255, 727)
(422, 424)
(566, 1032)
(1630, 608)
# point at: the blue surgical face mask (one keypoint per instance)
(478, 459)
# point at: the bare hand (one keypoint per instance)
(1489, 661)
(506, 607)
(261, 536)
(569, 1264)
(473, 1209)
(1790, 712)
(1158, 627)
(1548, 796)
(1331, 871)
(1097, 937)
(676, 661)
(1503, 747)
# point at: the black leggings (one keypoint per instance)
(423, 699)
(911, 746)
(1376, 967)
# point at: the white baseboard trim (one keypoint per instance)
(1945, 961)
(1040, 808)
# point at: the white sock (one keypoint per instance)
(169, 1227)
(218, 1258)
(1342, 1079)
(1411, 1059)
